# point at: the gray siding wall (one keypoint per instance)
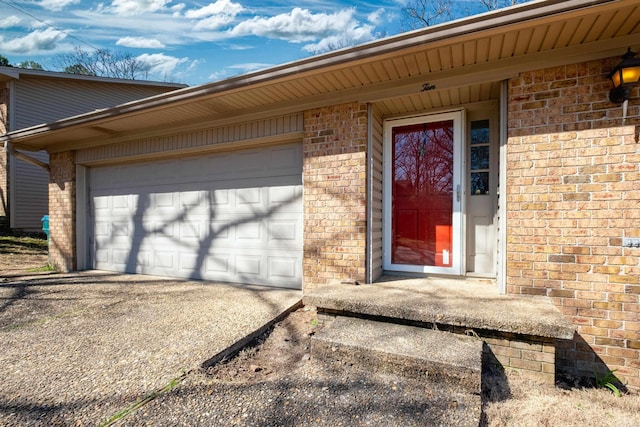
(36, 101)
(29, 192)
(194, 141)
(47, 100)
(376, 202)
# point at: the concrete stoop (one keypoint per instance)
(433, 319)
(407, 351)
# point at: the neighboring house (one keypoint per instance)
(33, 97)
(482, 147)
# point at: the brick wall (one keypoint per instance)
(531, 356)
(573, 193)
(334, 174)
(62, 211)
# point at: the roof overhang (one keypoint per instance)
(485, 48)
(16, 73)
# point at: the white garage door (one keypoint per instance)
(233, 217)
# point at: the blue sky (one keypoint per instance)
(192, 42)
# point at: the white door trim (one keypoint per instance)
(458, 261)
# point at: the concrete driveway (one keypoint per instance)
(78, 348)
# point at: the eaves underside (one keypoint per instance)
(467, 59)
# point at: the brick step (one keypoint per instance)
(408, 351)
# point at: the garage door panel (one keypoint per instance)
(249, 265)
(283, 195)
(220, 167)
(163, 201)
(248, 163)
(120, 229)
(101, 202)
(220, 229)
(102, 257)
(219, 197)
(260, 163)
(191, 199)
(218, 263)
(102, 229)
(249, 233)
(285, 158)
(282, 268)
(188, 263)
(158, 231)
(120, 257)
(238, 219)
(190, 231)
(165, 260)
(144, 259)
(122, 203)
(249, 198)
(173, 205)
(107, 258)
(284, 233)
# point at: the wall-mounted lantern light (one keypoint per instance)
(625, 75)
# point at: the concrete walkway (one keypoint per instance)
(78, 348)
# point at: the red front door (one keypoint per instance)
(423, 194)
(422, 199)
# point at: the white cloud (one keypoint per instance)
(299, 25)
(37, 41)
(194, 64)
(9, 22)
(57, 5)
(240, 47)
(136, 7)
(176, 9)
(238, 69)
(224, 7)
(351, 37)
(215, 15)
(250, 66)
(164, 27)
(163, 66)
(41, 24)
(218, 75)
(214, 22)
(140, 42)
(376, 16)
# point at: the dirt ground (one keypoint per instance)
(19, 254)
(285, 349)
(526, 402)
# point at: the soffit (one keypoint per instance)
(439, 99)
(461, 62)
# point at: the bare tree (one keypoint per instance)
(102, 63)
(499, 4)
(424, 13)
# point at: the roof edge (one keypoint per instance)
(17, 73)
(518, 14)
